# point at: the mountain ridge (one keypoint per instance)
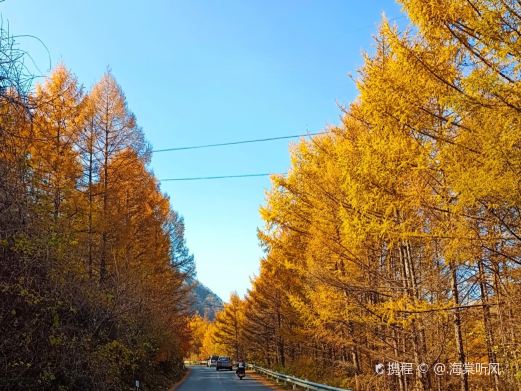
(205, 302)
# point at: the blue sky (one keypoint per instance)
(201, 72)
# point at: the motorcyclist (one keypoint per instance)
(241, 367)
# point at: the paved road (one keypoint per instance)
(208, 379)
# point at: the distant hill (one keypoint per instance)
(205, 302)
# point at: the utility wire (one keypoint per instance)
(397, 18)
(218, 177)
(260, 140)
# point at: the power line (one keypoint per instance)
(397, 18)
(218, 177)
(260, 140)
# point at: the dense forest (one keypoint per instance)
(94, 270)
(395, 238)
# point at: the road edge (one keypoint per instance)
(265, 381)
(175, 386)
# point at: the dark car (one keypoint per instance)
(212, 361)
(224, 363)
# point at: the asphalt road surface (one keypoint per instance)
(208, 379)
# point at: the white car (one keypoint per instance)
(212, 361)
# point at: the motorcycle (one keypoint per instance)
(240, 372)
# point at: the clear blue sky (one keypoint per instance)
(199, 72)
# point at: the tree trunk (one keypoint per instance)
(489, 336)
(464, 381)
(91, 200)
(104, 236)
